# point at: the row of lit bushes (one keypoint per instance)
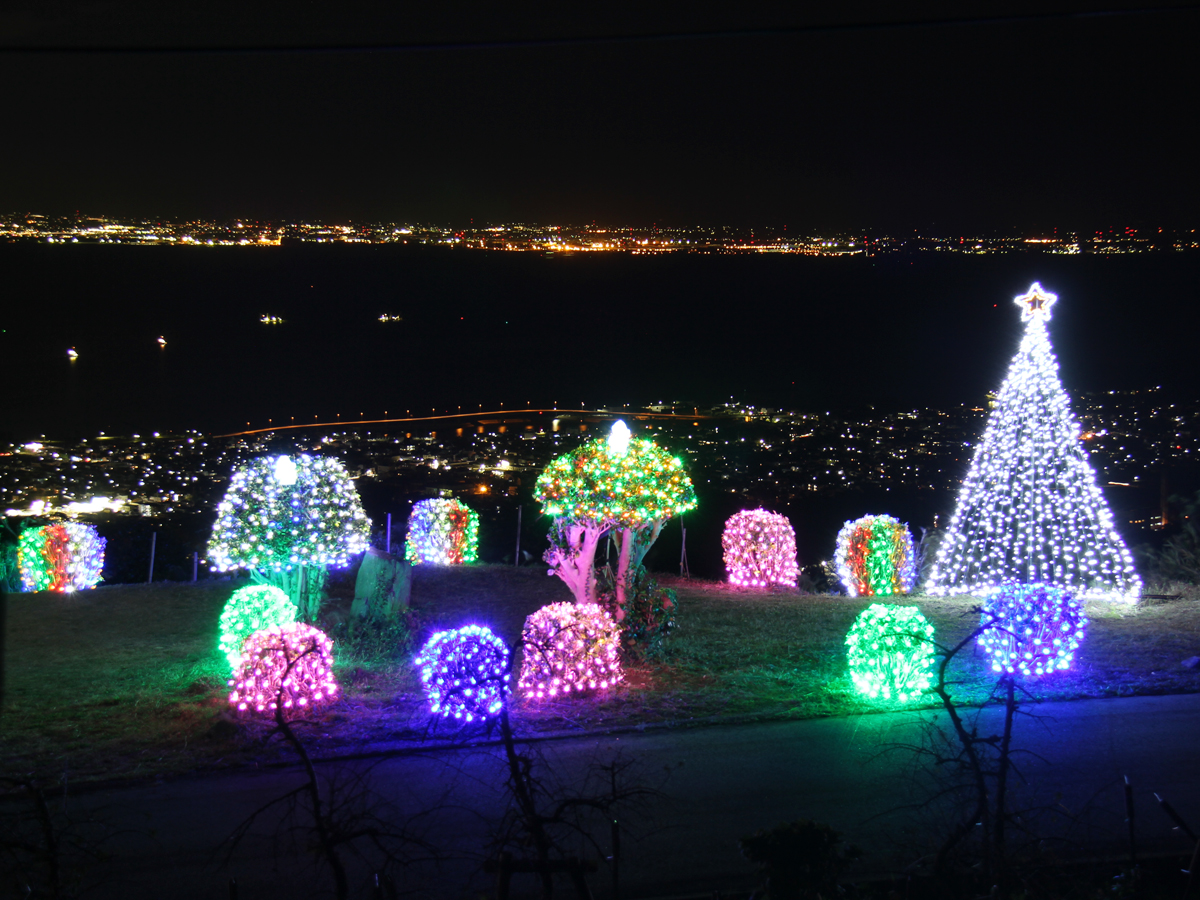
(573, 649)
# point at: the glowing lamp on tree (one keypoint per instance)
(63, 558)
(760, 549)
(287, 668)
(890, 651)
(876, 556)
(1035, 630)
(1030, 511)
(442, 532)
(248, 610)
(464, 672)
(569, 649)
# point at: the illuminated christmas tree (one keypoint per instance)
(286, 519)
(629, 485)
(1030, 510)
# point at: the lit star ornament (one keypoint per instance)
(1035, 303)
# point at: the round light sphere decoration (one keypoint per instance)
(464, 672)
(876, 556)
(288, 667)
(569, 649)
(62, 557)
(248, 610)
(760, 549)
(443, 532)
(1036, 629)
(890, 651)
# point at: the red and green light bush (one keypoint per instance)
(876, 556)
(442, 532)
(64, 557)
(287, 665)
(569, 648)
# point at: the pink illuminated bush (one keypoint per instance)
(760, 549)
(288, 664)
(570, 648)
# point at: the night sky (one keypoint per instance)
(843, 116)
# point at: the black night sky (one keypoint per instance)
(861, 116)
(849, 115)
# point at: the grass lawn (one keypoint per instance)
(126, 680)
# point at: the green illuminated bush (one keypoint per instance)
(890, 652)
(252, 609)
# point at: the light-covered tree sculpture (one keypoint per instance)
(876, 556)
(443, 532)
(1030, 510)
(286, 519)
(626, 484)
(760, 549)
(61, 557)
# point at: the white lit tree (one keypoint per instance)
(1030, 510)
(286, 519)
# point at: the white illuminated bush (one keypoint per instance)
(569, 648)
(890, 651)
(443, 532)
(760, 549)
(1037, 629)
(290, 665)
(464, 672)
(248, 610)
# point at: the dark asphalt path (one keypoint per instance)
(719, 783)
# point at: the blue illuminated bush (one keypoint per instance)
(464, 672)
(1037, 629)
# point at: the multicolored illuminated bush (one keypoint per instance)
(890, 652)
(248, 610)
(442, 532)
(760, 549)
(281, 513)
(288, 666)
(570, 648)
(464, 672)
(876, 557)
(1038, 628)
(62, 558)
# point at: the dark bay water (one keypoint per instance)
(485, 328)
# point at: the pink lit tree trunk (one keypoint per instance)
(635, 542)
(572, 555)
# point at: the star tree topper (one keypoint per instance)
(1035, 303)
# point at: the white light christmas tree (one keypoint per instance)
(1030, 511)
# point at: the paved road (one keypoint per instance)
(718, 784)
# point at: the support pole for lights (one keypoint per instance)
(683, 563)
(153, 544)
(517, 555)
(195, 565)
(387, 548)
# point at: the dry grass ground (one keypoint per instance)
(125, 681)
